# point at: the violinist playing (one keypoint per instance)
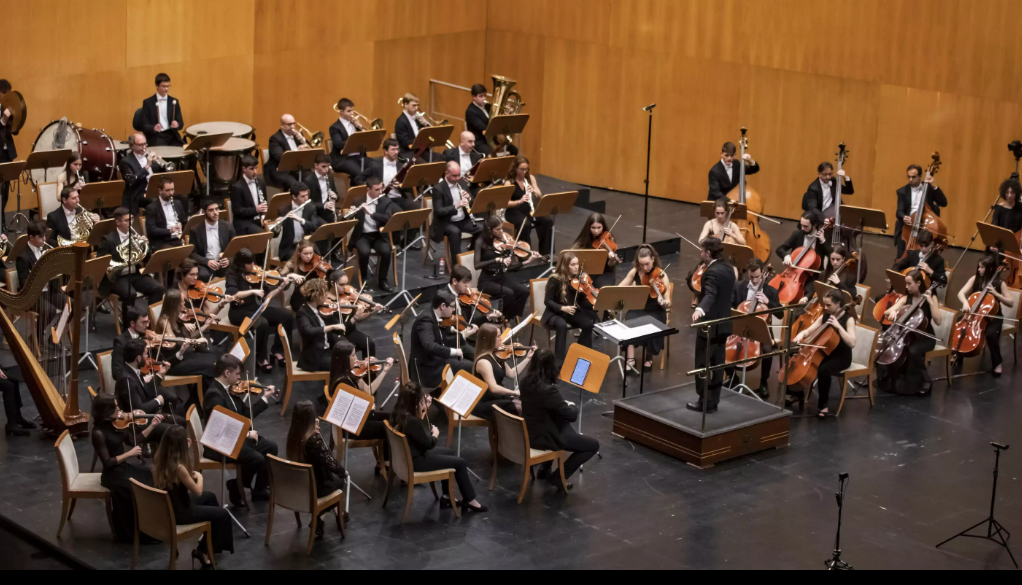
(192, 356)
(493, 266)
(596, 225)
(842, 319)
(461, 286)
(317, 336)
(493, 370)
(143, 392)
(188, 284)
(715, 303)
(837, 275)
(340, 292)
(247, 297)
(754, 289)
(912, 378)
(567, 307)
(987, 275)
(342, 364)
(913, 198)
(647, 267)
(305, 252)
(728, 234)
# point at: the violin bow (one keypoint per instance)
(196, 317)
(248, 398)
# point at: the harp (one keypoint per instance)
(57, 401)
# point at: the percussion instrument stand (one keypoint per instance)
(835, 563)
(88, 354)
(223, 489)
(995, 532)
(347, 479)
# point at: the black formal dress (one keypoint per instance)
(268, 322)
(126, 282)
(718, 291)
(199, 360)
(294, 231)
(136, 181)
(426, 456)
(560, 295)
(329, 472)
(243, 206)
(495, 281)
(157, 222)
(484, 408)
(252, 457)
(548, 416)
(935, 198)
(520, 215)
(428, 354)
(151, 117)
(189, 509)
(278, 146)
(200, 239)
(370, 221)
(110, 443)
(450, 220)
(721, 184)
(1008, 218)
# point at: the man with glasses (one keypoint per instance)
(136, 168)
(911, 198)
(286, 139)
(451, 217)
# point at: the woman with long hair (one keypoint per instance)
(248, 298)
(343, 361)
(192, 505)
(987, 274)
(304, 252)
(494, 266)
(646, 261)
(524, 200)
(317, 336)
(187, 277)
(912, 378)
(836, 275)
(72, 176)
(338, 281)
(596, 224)
(408, 419)
(566, 307)
(729, 233)
(198, 359)
(495, 371)
(305, 444)
(548, 416)
(839, 316)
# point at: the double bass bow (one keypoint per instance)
(911, 321)
(925, 218)
(791, 283)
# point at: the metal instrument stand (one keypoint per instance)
(347, 477)
(223, 489)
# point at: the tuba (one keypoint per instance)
(81, 226)
(132, 251)
(505, 103)
(313, 140)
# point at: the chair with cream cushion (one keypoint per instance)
(76, 485)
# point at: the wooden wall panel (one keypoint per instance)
(520, 58)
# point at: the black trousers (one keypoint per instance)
(454, 230)
(205, 273)
(993, 336)
(205, 508)
(583, 319)
(366, 243)
(12, 401)
(457, 365)
(351, 166)
(513, 295)
(443, 458)
(581, 447)
(139, 283)
(831, 366)
(267, 325)
(544, 227)
(252, 459)
(247, 227)
(360, 340)
(717, 346)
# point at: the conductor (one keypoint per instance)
(715, 303)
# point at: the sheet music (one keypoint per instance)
(347, 411)
(62, 325)
(355, 414)
(222, 433)
(460, 396)
(238, 351)
(643, 330)
(513, 332)
(622, 332)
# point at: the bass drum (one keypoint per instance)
(99, 152)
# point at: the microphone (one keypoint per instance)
(649, 108)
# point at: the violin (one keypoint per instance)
(791, 283)
(504, 352)
(316, 265)
(740, 348)
(330, 309)
(247, 387)
(969, 336)
(151, 365)
(135, 418)
(188, 316)
(654, 280)
(154, 341)
(583, 284)
(457, 321)
(755, 237)
(366, 366)
(804, 366)
(607, 242)
(508, 245)
(815, 307)
(925, 218)
(273, 278)
(892, 344)
(200, 290)
(477, 299)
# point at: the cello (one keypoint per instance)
(969, 336)
(925, 218)
(740, 348)
(892, 344)
(791, 283)
(755, 237)
(892, 297)
(804, 366)
(815, 307)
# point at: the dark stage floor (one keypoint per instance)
(920, 472)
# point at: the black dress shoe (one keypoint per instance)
(473, 509)
(385, 288)
(445, 503)
(698, 407)
(262, 495)
(543, 473)
(103, 309)
(15, 430)
(763, 393)
(234, 494)
(26, 424)
(319, 528)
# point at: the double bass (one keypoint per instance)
(911, 321)
(740, 348)
(804, 366)
(755, 237)
(969, 336)
(843, 235)
(925, 218)
(791, 283)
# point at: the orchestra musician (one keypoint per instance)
(493, 267)
(252, 458)
(745, 290)
(24, 263)
(129, 274)
(385, 169)
(305, 445)
(337, 280)
(451, 217)
(477, 118)
(372, 216)
(724, 177)
(912, 378)
(346, 125)
(187, 277)
(210, 239)
(406, 127)
(136, 169)
(342, 363)
(305, 251)
(59, 220)
(161, 116)
(715, 227)
(467, 157)
(299, 221)
(248, 199)
(911, 201)
(323, 190)
(524, 201)
(566, 307)
(137, 391)
(842, 319)
(808, 230)
(715, 303)
(646, 261)
(317, 336)
(986, 267)
(821, 193)
(72, 176)
(428, 355)
(197, 359)
(8, 150)
(407, 418)
(934, 266)
(594, 227)
(461, 284)
(287, 139)
(246, 299)
(495, 372)
(17, 425)
(138, 324)
(163, 219)
(119, 452)
(1008, 212)
(844, 281)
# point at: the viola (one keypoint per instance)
(317, 265)
(814, 309)
(273, 278)
(755, 237)
(457, 321)
(925, 218)
(366, 366)
(583, 284)
(654, 280)
(477, 299)
(504, 352)
(791, 283)
(200, 290)
(892, 344)
(151, 365)
(804, 366)
(247, 387)
(969, 336)
(135, 418)
(740, 348)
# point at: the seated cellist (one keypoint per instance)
(912, 378)
(842, 318)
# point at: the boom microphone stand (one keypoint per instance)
(649, 149)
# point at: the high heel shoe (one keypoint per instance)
(445, 503)
(277, 360)
(203, 564)
(465, 507)
(267, 367)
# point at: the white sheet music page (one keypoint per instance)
(222, 433)
(337, 413)
(460, 395)
(355, 414)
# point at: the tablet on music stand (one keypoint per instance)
(585, 368)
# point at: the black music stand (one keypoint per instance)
(492, 170)
(507, 125)
(11, 171)
(1001, 238)
(299, 160)
(492, 199)
(754, 329)
(364, 142)
(201, 145)
(860, 218)
(432, 137)
(551, 206)
(404, 221)
(620, 300)
(94, 269)
(333, 231)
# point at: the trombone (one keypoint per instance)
(426, 121)
(376, 124)
(312, 140)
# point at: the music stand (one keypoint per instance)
(353, 195)
(708, 209)
(860, 218)
(333, 231)
(17, 247)
(349, 410)
(897, 280)
(299, 160)
(363, 142)
(492, 170)
(432, 137)
(461, 396)
(424, 176)
(218, 444)
(507, 125)
(256, 243)
(43, 160)
(95, 196)
(190, 225)
(551, 206)
(1000, 238)
(183, 181)
(593, 261)
(585, 369)
(404, 221)
(755, 329)
(201, 145)
(276, 202)
(492, 199)
(823, 289)
(738, 256)
(621, 299)
(96, 270)
(163, 261)
(11, 171)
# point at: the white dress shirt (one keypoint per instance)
(324, 187)
(730, 171)
(456, 195)
(69, 214)
(415, 125)
(370, 223)
(37, 251)
(466, 160)
(299, 224)
(142, 163)
(389, 172)
(170, 213)
(917, 197)
(350, 129)
(253, 188)
(291, 142)
(483, 109)
(161, 107)
(212, 241)
(828, 197)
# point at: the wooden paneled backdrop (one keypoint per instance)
(894, 79)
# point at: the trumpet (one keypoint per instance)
(308, 138)
(159, 160)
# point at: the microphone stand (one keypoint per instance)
(649, 149)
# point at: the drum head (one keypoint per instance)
(169, 152)
(234, 128)
(57, 135)
(236, 145)
(99, 155)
